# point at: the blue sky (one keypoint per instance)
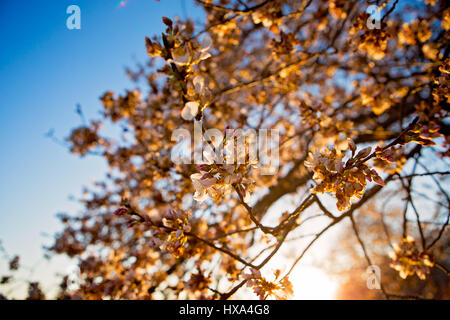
(45, 70)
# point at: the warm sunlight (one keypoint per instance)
(312, 283)
(225, 150)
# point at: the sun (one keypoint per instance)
(311, 283)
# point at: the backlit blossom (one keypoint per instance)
(346, 179)
(408, 260)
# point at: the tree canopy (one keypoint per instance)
(359, 101)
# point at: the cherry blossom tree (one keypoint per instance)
(361, 108)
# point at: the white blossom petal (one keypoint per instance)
(204, 55)
(190, 110)
(209, 155)
(206, 43)
(199, 84)
(182, 60)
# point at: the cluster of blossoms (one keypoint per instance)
(269, 17)
(191, 53)
(408, 260)
(285, 45)
(183, 56)
(122, 106)
(422, 134)
(390, 160)
(385, 154)
(442, 93)
(419, 32)
(337, 9)
(349, 179)
(345, 180)
(199, 97)
(380, 99)
(218, 178)
(216, 181)
(175, 49)
(85, 138)
(314, 115)
(446, 19)
(198, 282)
(168, 236)
(413, 31)
(175, 240)
(281, 289)
(373, 42)
(434, 113)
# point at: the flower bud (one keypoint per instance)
(121, 212)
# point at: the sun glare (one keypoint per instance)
(311, 283)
